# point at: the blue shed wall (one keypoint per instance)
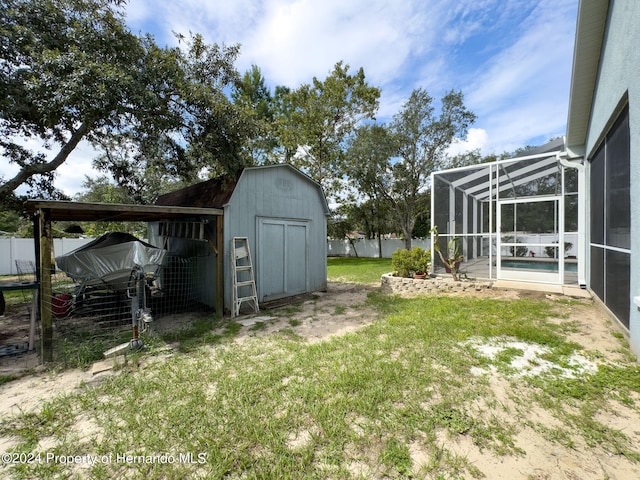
(277, 194)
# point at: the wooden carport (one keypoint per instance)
(44, 212)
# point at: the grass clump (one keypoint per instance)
(396, 457)
(357, 270)
(6, 378)
(201, 332)
(275, 406)
(81, 348)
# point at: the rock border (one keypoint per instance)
(432, 284)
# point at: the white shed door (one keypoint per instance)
(284, 258)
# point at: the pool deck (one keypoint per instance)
(479, 268)
(569, 290)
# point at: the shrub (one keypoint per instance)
(551, 251)
(421, 259)
(519, 251)
(406, 262)
(401, 262)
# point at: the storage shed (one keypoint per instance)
(283, 214)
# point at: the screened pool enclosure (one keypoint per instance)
(515, 219)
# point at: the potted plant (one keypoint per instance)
(421, 262)
(453, 257)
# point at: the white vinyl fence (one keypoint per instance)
(12, 249)
(369, 248)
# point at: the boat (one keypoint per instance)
(112, 260)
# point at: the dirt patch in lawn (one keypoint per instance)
(342, 309)
(339, 310)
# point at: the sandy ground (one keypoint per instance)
(341, 310)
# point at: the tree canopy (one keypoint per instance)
(69, 72)
(395, 162)
(316, 120)
(72, 71)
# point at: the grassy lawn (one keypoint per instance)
(358, 405)
(357, 270)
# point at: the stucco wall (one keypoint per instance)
(618, 79)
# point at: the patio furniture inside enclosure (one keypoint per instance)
(515, 219)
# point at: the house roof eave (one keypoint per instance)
(590, 28)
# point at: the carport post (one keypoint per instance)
(219, 266)
(44, 262)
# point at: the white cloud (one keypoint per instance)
(523, 91)
(401, 45)
(138, 11)
(69, 176)
(477, 138)
(72, 173)
(296, 41)
(511, 58)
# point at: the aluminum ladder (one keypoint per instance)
(242, 276)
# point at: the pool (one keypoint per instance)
(539, 265)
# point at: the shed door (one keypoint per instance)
(284, 258)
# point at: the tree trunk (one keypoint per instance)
(407, 231)
(407, 222)
(354, 246)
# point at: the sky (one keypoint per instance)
(510, 58)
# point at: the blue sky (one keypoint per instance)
(511, 58)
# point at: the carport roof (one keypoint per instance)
(83, 211)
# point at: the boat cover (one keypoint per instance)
(110, 259)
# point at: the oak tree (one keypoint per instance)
(71, 71)
(319, 118)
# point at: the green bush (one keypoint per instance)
(401, 262)
(421, 259)
(551, 251)
(406, 262)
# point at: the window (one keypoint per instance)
(611, 219)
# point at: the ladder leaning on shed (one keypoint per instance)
(242, 275)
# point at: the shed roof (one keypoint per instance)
(217, 192)
(214, 193)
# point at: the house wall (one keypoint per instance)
(276, 193)
(617, 83)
